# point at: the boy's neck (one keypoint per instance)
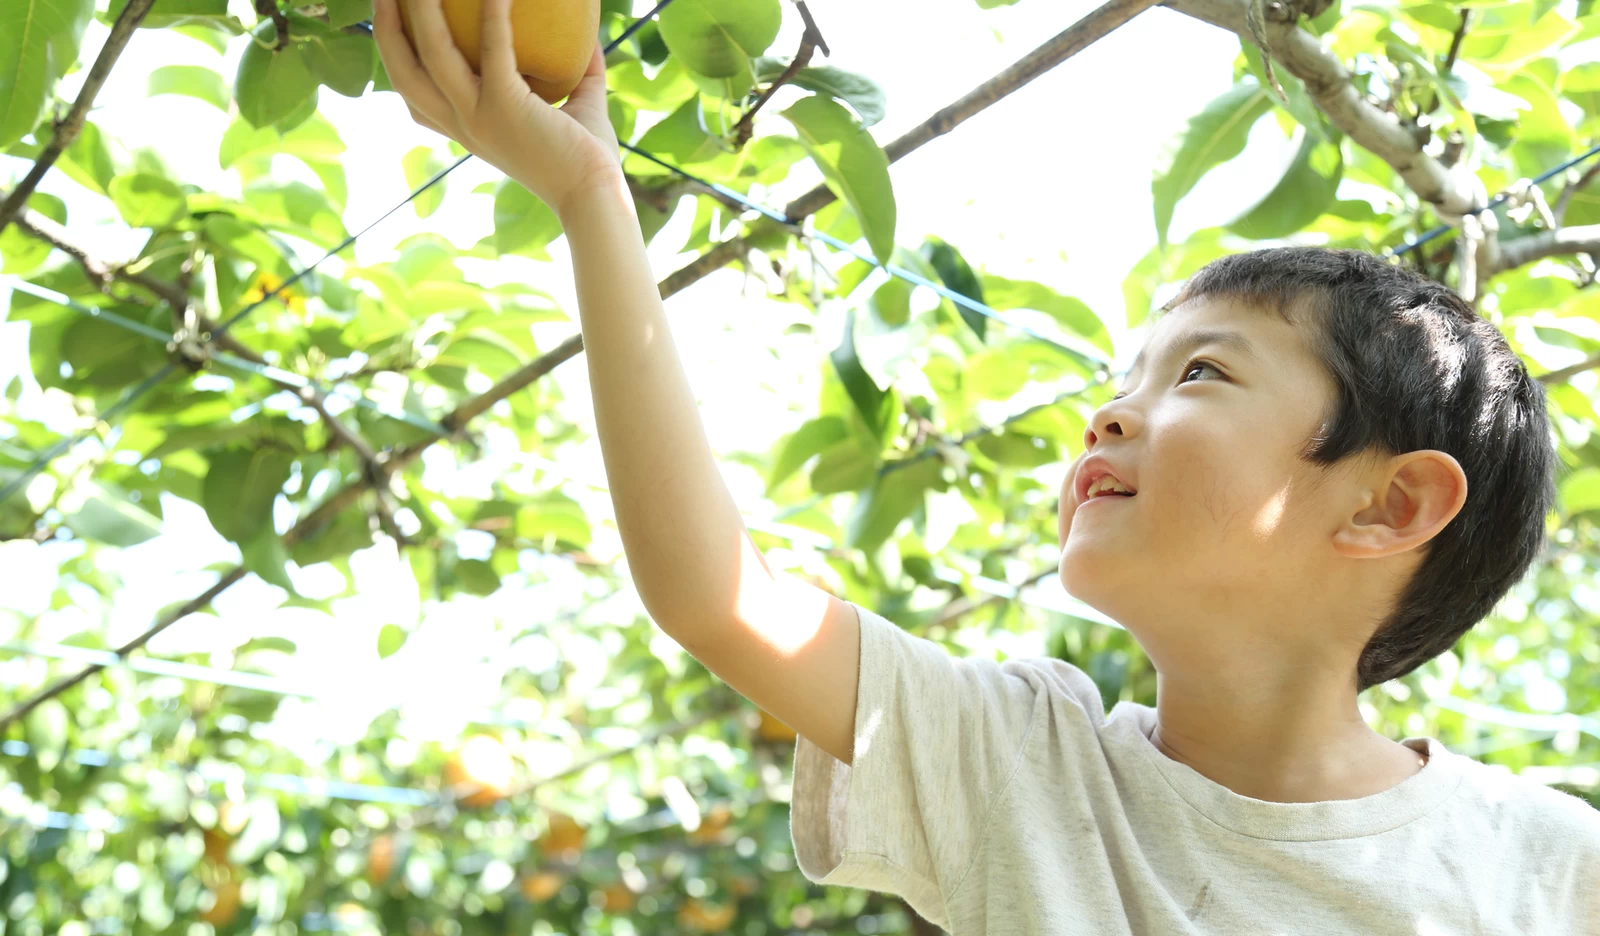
(1298, 742)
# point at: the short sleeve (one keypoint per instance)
(937, 738)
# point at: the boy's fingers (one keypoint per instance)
(592, 86)
(443, 61)
(406, 74)
(498, 56)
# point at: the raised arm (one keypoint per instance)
(785, 645)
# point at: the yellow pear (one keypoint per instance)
(553, 39)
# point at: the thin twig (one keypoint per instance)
(809, 42)
(68, 128)
(372, 463)
(280, 23)
(1450, 58)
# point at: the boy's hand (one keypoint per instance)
(555, 153)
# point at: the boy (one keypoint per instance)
(1327, 468)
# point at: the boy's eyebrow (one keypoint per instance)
(1199, 337)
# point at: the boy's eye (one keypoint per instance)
(1197, 366)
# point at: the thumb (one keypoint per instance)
(590, 94)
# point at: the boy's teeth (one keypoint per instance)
(1106, 483)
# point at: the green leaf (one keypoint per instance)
(810, 439)
(875, 405)
(46, 729)
(1542, 125)
(343, 63)
(1509, 35)
(679, 138)
(477, 577)
(557, 518)
(891, 302)
(958, 278)
(715, 37)
(853, 164)
(420, 165)
(1580, 491)
(240, 488)
(165, 14)
(38, 43)
(296, 208)
(195, 81)
(342, 13)
(1019, 450)
(88, 161)
(146, 200)
(864, 95)
(390, 639)
(1072, 314)
(1301, 196)
(272, 85)
(522, 223)
(106, 355)
(278, 644)
(23, 253)
(346, 533)
(665, 92)
(265, 555)
(892, 498)
(102, 512)
(1212, 137)
(844, 466)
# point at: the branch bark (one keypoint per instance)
(1328, 82)
(68, 129)
(1070, 41)
(1568, 240)
(1567, 373)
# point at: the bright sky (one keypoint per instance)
(1050, 184)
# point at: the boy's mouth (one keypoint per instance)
(1096, 480)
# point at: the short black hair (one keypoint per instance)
(1416, 368)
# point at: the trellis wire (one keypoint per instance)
(1093, 357)
(1494, 203)
(149, 383)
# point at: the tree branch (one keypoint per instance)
(1070, 41)
(1328, 82)
(1567, 373)
(67, 130)
(1568, 240)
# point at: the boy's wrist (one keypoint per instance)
(604, 193)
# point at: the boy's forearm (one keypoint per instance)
(684, 536)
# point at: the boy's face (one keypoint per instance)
(1207, 433)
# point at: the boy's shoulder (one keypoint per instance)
(1529, 807)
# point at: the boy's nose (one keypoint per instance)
(1112, 419)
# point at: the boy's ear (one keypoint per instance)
(1412, 498)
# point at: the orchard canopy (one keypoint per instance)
(313, 610)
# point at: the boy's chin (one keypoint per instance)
(1089, 573)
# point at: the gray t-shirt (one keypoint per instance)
(1001, 798)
